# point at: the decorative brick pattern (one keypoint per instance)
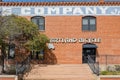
(59, 3)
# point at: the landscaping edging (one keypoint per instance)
(110, 77)
(8, 77)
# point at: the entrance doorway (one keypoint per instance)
(88, 50)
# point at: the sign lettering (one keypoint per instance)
(60, 10)
(74, 40)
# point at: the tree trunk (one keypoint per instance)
(3, 55)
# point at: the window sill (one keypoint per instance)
(88, 31)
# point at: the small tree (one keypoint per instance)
(37, 43)
(20, 32)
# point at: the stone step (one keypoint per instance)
(60, 72)
(62, 79)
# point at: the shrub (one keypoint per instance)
(117, 67)
(110, 73)
(104, 72)
(111, 68)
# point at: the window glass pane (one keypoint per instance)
(92, 28)
(11, 51)
(41, 27)
(42, 51)
(41, 21)
(85, 21)
(92, 21)
(89, 23)
(34, 21)
(41, 55)
(85, 28)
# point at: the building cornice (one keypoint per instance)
(59, 3)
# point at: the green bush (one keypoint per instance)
(117, 67)
(110, 73)
(104, 72)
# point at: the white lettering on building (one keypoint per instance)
(91, 10)
(89, 40)
(78, 11)
(74, 40)
(39, 11)
(60, 10)
(63, 40)
(54, 10)
(103, 9)
(26, 11)
(67, 10)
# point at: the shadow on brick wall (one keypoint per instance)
(49, 57)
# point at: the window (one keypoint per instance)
(89, 23)
(41, 55)
(40, 21)
(37, 55)
(11, 54)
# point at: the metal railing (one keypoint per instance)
(18, 68)
(109, 59)
(23, 67)
(93, 65)
(108, 62)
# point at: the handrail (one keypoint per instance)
(93, 65)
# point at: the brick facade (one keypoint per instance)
(110, 79)
(108, 29)
(7, 78)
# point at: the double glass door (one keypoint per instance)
(88, 51)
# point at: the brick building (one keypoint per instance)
(76, 29)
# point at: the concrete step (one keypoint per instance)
(60, 72)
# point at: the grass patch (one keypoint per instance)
(110, 72)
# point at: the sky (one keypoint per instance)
(55, 0)
(49, 0)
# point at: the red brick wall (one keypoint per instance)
(109, 59)
(108, 29)
(110, 79)
(7, 78)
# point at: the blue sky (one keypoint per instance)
(49, 0)
(55, 0)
